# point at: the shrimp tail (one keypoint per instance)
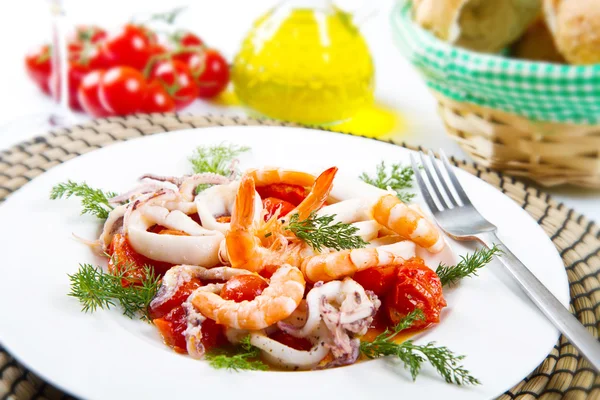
(318, 194)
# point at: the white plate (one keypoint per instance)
(107, 356)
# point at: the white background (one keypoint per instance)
(222, 24)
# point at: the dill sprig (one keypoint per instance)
(320, 232)
(413, 356)
(398, 178)
(243, 357)
(93, 201)
(215, 159)
(467, 266)
(96, 289)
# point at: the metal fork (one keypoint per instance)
(457, 216)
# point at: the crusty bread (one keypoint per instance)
(537, 44)
(575, 26)
(482, 25)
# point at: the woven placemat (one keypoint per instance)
(563, 374)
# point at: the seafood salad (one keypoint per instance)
(267, 268)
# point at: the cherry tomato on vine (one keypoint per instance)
(89, 33)
(210, 71)
(157, 99)
(88, 95)
(243, 287)
(177, 80)
(416, 286)
(122, 90)
(132, 46)
(38, 66)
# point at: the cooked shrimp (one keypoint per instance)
(267, 176)
(336, 265)
(274, 304)
(244, 247)
(392, 213)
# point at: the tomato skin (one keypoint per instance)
(122, 90)
(177, 80)
(212, 335)
(301, 344)
(88, 96)
(121, 250)
(171, 328)
(189, 39)
(291, 193)
(416, 286)
(131, 46)
(38, 66)
(243, 287)
(272, 204)
(379, 280)
(157, 99)
(181, 295)
(210, 71)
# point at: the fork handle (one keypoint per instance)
(561, 317)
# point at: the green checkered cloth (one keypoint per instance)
(535, 90)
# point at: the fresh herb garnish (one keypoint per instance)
(95, 289)
(413, 356)
(468, 265)
(243, 357)
(215, 159)
(93, 201)
(320, 232)
(398, 179)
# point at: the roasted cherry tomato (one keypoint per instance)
(171, 328)
(182, 293)
(157, 99)
(173, 325)
(210, 71)
(122, 90)
(39, 66)
(291, 193)
(243, 287)
(132, 46)
(121, 251)
(272, 204)
(416, 286)
(177, 80)
(87, 94)
(301, 344)
(379, 280)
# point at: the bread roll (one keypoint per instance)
(575, 25)
(481, 25)
(537, 44)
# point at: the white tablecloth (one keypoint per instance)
(222, 24)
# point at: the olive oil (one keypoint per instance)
(307, 65)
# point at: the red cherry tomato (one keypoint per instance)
(131, 46)
(171, 328)
(87, 94)
(188, 39)
(301, 344)
(416, 286)
(243, 287)
(291, 193)
(157, 99)
(122, 90)
(88, 33)
(177, 299)
(210, 71)
(77, 70)
(272, 204)
(177, 80)
(38, 66)
(121, 250)
(378, 280)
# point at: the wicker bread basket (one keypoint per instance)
(532, 119)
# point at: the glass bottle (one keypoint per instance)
(304, 61)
